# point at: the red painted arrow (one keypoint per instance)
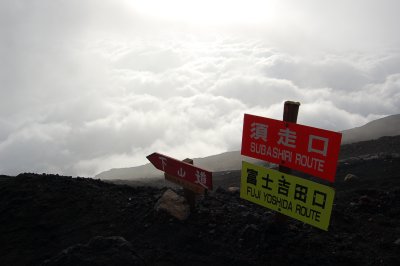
(181, 170)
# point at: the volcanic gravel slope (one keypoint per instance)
(41, 216)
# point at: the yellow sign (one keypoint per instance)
(296, 197)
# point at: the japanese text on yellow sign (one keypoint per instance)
(296, 197)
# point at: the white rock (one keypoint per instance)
(173, 204)
(233, 189)
(351, 177)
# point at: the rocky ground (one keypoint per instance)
(57, 220)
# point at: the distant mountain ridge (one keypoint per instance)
(220, 162)
(387, 126)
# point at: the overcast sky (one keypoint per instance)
(89, 85)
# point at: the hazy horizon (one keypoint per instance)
(91, 85)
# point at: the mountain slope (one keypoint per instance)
(221, 162)
(387, 126)
(54, 220)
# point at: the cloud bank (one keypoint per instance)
(88, 86)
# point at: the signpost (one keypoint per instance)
(292, 146)
(182, 173)
(189, 189)
(308, 149)
(296, 197)
(290, 112)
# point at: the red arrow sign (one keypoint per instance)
(181, 170)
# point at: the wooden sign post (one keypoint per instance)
(189, 194)
(308, 149)
(290, 113)
(189, 191)
(194, 180)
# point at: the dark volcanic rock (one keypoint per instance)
(47, 218)
(40, 215)
(385, 145)
(50, 218)
(99, 251)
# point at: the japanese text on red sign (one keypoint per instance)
(182, 170)
(311, 150)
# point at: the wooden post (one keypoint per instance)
(189, 194)
(290, 112)
(190, 190)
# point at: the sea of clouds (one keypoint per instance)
(88, 86)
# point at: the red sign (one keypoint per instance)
(308, 149)
(181, 170)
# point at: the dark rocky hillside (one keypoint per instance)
(57, 220)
